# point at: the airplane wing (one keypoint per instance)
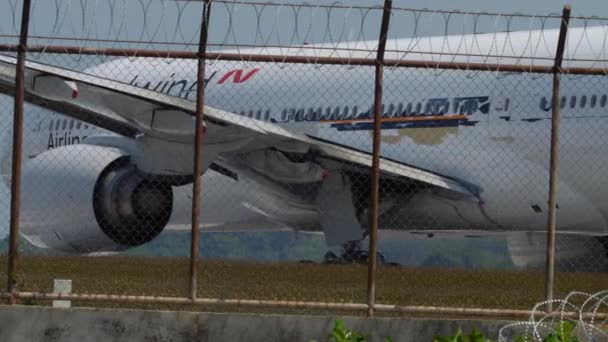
(135, 112)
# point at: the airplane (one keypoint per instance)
(108, 152)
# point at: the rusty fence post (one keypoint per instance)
(198, 141)
(13, 247)
(375, 186)
(553, 170)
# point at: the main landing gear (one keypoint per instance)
(352, 253)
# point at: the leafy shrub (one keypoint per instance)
(341, 334)
(474, 336)
(563, 333)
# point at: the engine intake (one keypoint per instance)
(131, 209)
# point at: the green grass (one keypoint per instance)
(293, 281)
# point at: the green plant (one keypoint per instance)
(341, 334)
(474, 336)
(563, 333)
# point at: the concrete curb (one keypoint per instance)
(33, 323)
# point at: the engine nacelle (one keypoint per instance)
(86, 198)
(573, 252)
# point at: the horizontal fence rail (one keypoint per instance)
(407, 309)
(262, 58)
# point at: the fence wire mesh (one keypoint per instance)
(6, 106)
(107, 185)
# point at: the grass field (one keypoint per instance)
(293, 281)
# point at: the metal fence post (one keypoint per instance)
(13, 246)
(553, 175)
(375, 196)
(198, 140)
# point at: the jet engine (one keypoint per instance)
(87, 198)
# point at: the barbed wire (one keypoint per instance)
(311, 30)
(296, 28)
(587, 326)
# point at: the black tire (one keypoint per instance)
(380, 258)
(330, 258)
(604, 241)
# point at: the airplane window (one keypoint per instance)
(345, 111)
(258, 115)
(408, 109)
(418, 108)
(573, 102)
(593, 101)
(355, 111)
(583, 101)
(51, 125)
(545, 104)
(64, 124)
(311, 112)
(300, 114)
(267, 115)
(399, 109)
(603, 101)
(71, 124)
(78, 125)
(337, 113)
(86, 126)
(57, 124)
(391, 110)
(563, 101)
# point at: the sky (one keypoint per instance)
(579, 7)
(160, 23)
(128, 23)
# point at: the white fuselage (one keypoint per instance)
(488, 129)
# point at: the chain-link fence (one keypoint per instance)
(319, 145)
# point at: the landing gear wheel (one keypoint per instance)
(604, 241)
(330, 258)
(353, 254)
(380, 258)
